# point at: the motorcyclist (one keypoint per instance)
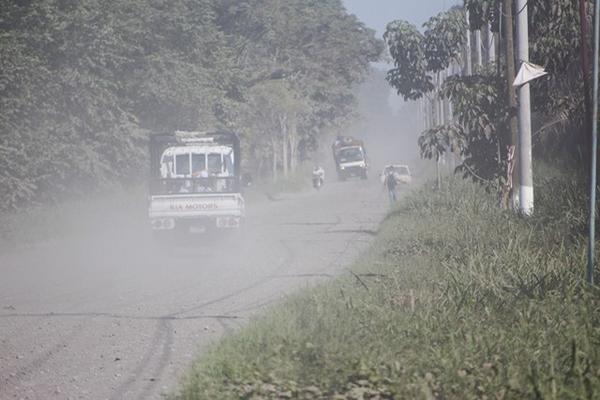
(338, 140)
(318, 176)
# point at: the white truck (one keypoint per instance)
(195, 184)
(350, 157)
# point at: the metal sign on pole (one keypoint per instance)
(592, 222)
(528, 72)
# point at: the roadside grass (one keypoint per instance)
(456, 299)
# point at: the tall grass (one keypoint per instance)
(457, 299)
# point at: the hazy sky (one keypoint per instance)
(378, 13)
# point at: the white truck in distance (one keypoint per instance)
(195, 182)
(350, 157)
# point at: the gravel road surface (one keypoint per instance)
(107, 315)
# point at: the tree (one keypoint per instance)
(481, 106)
(407, 48)
(479, 110)
(319, 52)
(83, 82)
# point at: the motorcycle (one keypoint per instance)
(318, 177)
(317, 182)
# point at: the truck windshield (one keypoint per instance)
(351, 154)
(182, 164)
(215, 165)
(198, 163)
(197, 169)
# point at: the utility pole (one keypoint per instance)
(468, 65)
(584, 140)
(592, 222)
(440, 121)
(524, 148)
(490, 45)
(511, 191)
(478, 55)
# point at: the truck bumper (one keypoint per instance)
(353, 171)
(196, 213)
(196, 224)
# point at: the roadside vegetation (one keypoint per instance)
(456, 299)
(83, 83)
(437, 65)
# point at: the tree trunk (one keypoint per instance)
(293, 141)
(438, 173)
(274, 148)
(284, 156)
(284, 145)
(512, 139)
(490, 44)
(259, 167)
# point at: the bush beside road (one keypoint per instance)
(456, 299)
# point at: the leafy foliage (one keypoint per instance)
(444, 37)
(416, 56)
(479, 101)
(482, 112)
(434, 142)
(482, 12)
(406, 45)
(555, 42)
(82, 82)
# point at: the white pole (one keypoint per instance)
(491, 45)
(592, 223)
(479, 59)
(525, 160)
(468, 69)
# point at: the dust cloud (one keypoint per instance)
(390, 134)
(100, 309)
(105, 312)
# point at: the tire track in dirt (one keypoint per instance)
(163, 336)
(38, 362)
(165, 329)
(302, 254)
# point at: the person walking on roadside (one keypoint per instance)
(391, 182)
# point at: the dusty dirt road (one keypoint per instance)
(104, 315)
